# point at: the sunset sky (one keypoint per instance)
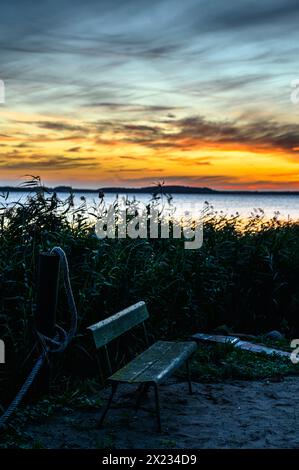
(131, 92)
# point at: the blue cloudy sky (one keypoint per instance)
(127, 92)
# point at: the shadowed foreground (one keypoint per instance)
(238, 414)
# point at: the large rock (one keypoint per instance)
(274, 335)
(222, 330)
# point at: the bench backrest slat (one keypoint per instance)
(112, 327)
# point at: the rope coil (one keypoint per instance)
(54, 345)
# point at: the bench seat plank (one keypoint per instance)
(156, 363)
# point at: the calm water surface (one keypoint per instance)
(286, 205)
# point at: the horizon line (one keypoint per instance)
(176, 189)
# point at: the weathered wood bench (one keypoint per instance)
(153, 366)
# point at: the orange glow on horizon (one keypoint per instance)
(76, 153)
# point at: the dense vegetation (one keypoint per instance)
(245, 276)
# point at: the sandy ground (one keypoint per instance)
(236, 414)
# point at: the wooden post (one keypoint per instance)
(45, 317)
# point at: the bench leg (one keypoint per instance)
(157, 398)
(189, 377)
(142, 391)
(113, 391)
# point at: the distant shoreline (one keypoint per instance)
(167, 189)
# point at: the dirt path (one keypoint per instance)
(235, 414)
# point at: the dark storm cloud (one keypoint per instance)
(251, 13)
(49, 27)
(21, 162)
(138, 28)
(23, 145)
(225, 84)
(180, 134)
(58, 126)
(260, 133)
(189, 132)
(74, 47)
(131, 107)
(90, 48)
(141, 129)
(128, 157)
(192, 161)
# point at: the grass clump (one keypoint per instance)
(216, 363)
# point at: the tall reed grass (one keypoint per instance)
(245, 276)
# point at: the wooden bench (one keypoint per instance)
(153, 366)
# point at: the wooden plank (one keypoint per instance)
(170, 361)
(112, 327)
(156, 363)
(145, 360)
(259, 348)
(203, 337)
(237, 343)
